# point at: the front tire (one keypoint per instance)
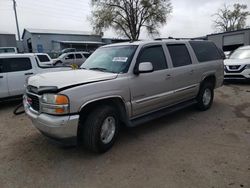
(100, 129)
(58, 63)
(205, 96)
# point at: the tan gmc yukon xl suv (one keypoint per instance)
(123, 84)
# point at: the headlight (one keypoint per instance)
(26, 81)
(247, 66)
(55, 104)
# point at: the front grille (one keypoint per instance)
(34, 102)
(234, 67)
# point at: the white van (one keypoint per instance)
(16, 68)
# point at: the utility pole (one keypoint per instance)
(17, 26)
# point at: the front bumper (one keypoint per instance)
(60, 128)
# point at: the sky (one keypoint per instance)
(190, 18)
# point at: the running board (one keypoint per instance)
(157, 114)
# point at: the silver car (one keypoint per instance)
(72, 58)
(123, 84)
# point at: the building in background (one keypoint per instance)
(54, 41)
(113, 40)
(8, 40)
(229, 41)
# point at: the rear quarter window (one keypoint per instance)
(43, 58)
(205, 51)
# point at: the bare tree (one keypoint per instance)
(231, 18)
(128, 17)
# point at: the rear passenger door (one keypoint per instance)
(4, 91)
(79, 59)
(185, 83)
(18, 71)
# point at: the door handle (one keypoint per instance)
(29, 73)
(191, 72)
(168, 76)
(1, 76)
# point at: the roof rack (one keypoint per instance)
(172, 38)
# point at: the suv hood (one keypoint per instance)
(69, 78)
(236, 61)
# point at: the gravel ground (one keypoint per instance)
(186, 149)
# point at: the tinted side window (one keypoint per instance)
(18, 64)
(179, 55)
(205, 51)
(78, 56)
(155, 55)
(3, 67)
(70, 56)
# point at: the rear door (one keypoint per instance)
(18, 71)
(79, 59)
(185, 83)
(4, 90)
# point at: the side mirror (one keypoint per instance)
(144, 67)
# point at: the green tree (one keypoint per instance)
(128, 17)
(231, 18)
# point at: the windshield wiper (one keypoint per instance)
(99, 69)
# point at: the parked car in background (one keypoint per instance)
(16, 68)
(4, 50)
(123, 84)
(72, 58)
(237, 66)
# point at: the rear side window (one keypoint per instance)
(18, 64)
(155, 55)
(205, 51)
(179, 55)
(43, 58)
(78, 56)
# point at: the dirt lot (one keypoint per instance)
(186, 149)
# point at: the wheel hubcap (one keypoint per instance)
(207, 95)
(108, 129)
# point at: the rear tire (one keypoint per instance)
(205, 96)
(100, 129)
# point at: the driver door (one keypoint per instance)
(69, 59)
(149, 91)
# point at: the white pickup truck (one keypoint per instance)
(16, 68)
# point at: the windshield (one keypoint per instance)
(111, 59)
(43, 58)
(240, 54)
